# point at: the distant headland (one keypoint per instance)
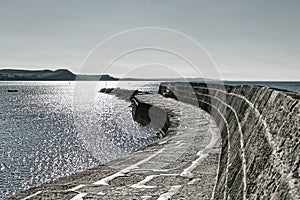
(49, 75)
(66, 75)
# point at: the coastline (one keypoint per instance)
(137, 168)
(177, 166)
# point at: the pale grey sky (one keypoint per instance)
(248, 40)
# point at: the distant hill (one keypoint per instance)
(48, 75)
(104, 77)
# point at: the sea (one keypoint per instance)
(53, 129)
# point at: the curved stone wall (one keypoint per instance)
(259, 127)
(150, 115)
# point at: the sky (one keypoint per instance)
(240, 40)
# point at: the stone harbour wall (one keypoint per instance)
(151, 115)
(181, 165)
(245, 146)
(260, 132)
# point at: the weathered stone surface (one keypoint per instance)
(260, 145)
(251, 152)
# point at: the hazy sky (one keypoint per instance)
(248, 40)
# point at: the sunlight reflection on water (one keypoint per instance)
(42, 139)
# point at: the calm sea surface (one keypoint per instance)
(53, 129)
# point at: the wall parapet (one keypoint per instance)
(260, 137)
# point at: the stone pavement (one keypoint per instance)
(182, 165)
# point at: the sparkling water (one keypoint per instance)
(45, 134)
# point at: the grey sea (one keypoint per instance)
(53, 129)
